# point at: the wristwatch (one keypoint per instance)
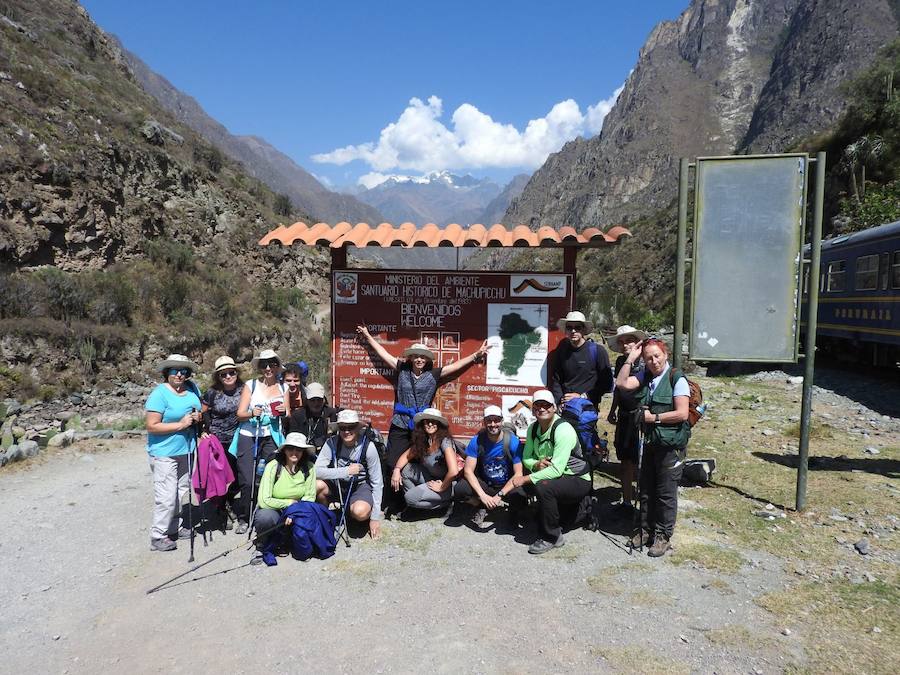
(500, 493)
(657, 418)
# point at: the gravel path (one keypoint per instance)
(76, 567)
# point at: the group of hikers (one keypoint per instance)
(271, 455)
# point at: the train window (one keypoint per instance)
(835, 276)
(884, 267)
(895, 271)
(806, 280)
(867, 272)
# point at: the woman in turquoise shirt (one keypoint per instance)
(171, 409)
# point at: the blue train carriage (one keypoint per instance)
(859, 296)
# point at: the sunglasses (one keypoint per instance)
(493, 420)
(577, 327)
(184, 372)
(228, 373)
(541, 405)
(269, 363)
(431, 422)
(291, 448)
(346, 427)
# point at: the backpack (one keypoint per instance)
(695, 402)
(578, 463)
(582, 414)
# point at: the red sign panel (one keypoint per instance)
(452, 313)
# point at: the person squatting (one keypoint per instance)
(271, 456)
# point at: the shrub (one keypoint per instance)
(170, 253)
(282, 205)
(64, 294)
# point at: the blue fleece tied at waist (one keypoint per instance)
(411, 411)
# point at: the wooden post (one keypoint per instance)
(339, 258)
(570, 262)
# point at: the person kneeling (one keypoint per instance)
(493, 459)
(556, 476)
(289, 480)
(349, 470)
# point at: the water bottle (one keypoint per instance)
(260, 466)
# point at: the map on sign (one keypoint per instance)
(517, 335)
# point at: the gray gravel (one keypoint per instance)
(76, 567)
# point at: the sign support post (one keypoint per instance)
(680, 261)
(811, 325)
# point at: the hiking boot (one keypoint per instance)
(542, 546)
(241, 527)
(640, 539)
(184, 533)
(479, 517)
(659, 548)
(164, 544)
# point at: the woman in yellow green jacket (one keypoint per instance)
(290, 477)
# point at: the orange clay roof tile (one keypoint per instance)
(430, 235)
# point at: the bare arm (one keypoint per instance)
(456, 366)
(243, 412)
(452, 469)
(154, 424)
(625, 380)
(386, 356)
(680, 414)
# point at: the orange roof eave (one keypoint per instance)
(407, 235)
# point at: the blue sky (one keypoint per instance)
(365, 89)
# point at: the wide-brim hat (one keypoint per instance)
(575, 317)
(348, 417)
(418, 349)
(223, 363)
(623, 331)
(431, 414)
(264, 355)
(177, 361)
(296, 440)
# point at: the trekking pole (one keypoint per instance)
(640, 460)
(191, 495)
(342, 525)
(220, 555)
(251, 511)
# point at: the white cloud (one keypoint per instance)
(324, 181)
(420, 141)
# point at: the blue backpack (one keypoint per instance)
(582, 414)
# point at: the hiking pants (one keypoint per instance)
(660, 473)
(246, 471)
(416, 491)
(551, 493)
(462, 490)
(265, 519)
(171, 484)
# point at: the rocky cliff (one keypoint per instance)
(727, 76)
(258, 158)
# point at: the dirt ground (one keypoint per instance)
(76, 567)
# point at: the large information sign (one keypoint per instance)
(452, 313)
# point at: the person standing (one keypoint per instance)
(555, 476)
(417, 382)
(259, 411)
(172, 408)
(579, 366)
(314, 416)
(623, 411)
(665, 397)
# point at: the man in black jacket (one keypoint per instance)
(313, 417)
(579, 367)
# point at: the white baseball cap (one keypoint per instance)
(543, 395)
(493, 411)
(315, 390)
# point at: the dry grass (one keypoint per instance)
(637, 660)
(713, 557)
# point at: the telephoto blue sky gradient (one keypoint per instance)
(356, 91)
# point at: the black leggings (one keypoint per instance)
(247, 479)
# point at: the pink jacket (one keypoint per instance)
(213, 473)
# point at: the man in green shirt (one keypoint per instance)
(555, 476)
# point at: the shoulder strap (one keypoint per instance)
(278, 469)
(507, 441)
(593, 349)
(553, 426)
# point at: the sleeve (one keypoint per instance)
(555, 375)
(564, 440)
(515, 449)
(326, 472)
(156, 402)
(472, 447)
(266, 485)
(310, 493)
(604, 383)
(373, 468)
(681, 388)
(437, 373)
(528, 454)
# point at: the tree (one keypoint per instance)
(283, 206)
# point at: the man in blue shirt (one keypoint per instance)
(493, 459)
